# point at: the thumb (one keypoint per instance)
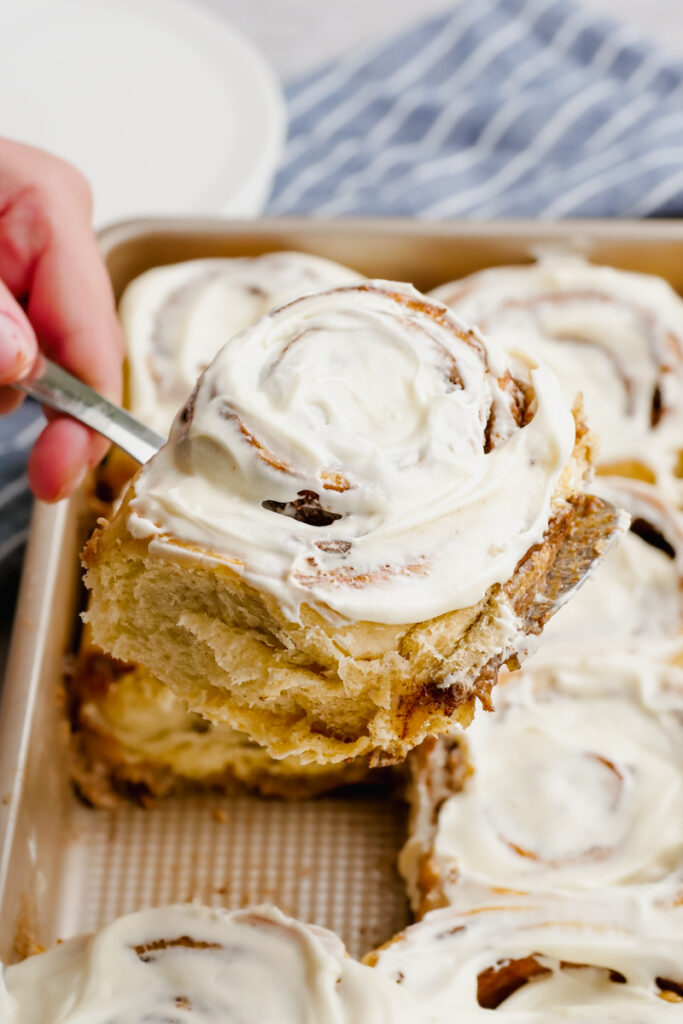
(18, 345)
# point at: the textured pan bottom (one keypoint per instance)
(330, 861)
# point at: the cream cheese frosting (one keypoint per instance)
(617, 337)
(175, 318)
(361, 451)
(192, 964)
(574, 782)
(614, 957)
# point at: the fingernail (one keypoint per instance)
(17, 351)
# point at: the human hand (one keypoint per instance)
(55, 297)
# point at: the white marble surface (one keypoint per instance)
(299, 35)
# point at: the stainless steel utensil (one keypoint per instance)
(53, 386)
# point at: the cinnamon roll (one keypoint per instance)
(183, 964)
(574, 783)
(133, 738)
(615, 956)
(615, 336)
(363, 510)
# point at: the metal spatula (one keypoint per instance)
(595, 527)
(53, 386)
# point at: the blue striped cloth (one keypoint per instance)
(503, 108)
(17, 434)
(499, 108)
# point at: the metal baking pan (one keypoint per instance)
(66, 869)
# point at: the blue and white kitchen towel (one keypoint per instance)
(501, 108)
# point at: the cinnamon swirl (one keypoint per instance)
(350, 527)
(615, 956)
(183, 964)
(574, 783)
(615, 336)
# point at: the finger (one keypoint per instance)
(61, 456)
(37, 190)
(24, 233)
(18, 347)
(49, 253)
(71, 307)
(99, 446)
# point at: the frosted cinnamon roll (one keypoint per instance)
(574, 783)
(611, 956)
(134, 739)
(617, 337)
(176, 318)
(183, 964)
(363, 510)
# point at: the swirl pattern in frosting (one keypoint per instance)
(614, 956)
(574, 782)
(615, 336)
(193, 965)
(362, 452)
(175, 318)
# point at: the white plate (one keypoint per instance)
(164, 106)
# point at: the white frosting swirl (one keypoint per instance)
(191, 964)
(575, 782)
(433, 453)
(176, 318)
(617, 337)
(614, 957)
